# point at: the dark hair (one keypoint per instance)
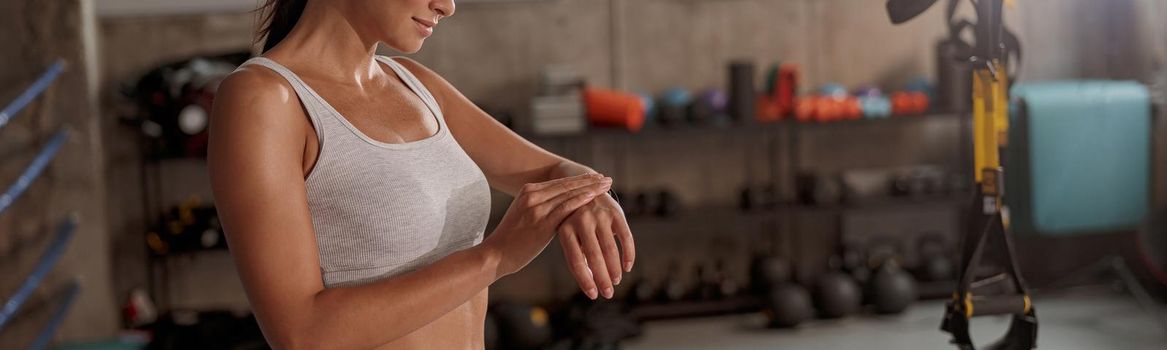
(279, 16)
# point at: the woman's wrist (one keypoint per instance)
(568, 169)
(490, 256)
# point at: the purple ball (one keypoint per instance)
(868, 91)
(717, 99)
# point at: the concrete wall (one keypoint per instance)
(35, 33)
(493, 54)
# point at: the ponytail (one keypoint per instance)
(279, 16)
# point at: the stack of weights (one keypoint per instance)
(559, 106)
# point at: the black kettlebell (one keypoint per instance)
(935, 265)
(836, 295)
(706, 286)
(627, 203)
(786, 305)
(672, 289)
(643, 291)
(667, 204)
(891, 289)
(855, 264)
(900, 185)
(758, 198)
(642, 204)
(727, 286)
(768, 270)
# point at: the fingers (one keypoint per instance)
(627, 246)
(611, 252)
(595, 256)
(561, 206)
(576, 262)
(544, 190)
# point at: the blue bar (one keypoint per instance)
(32, 92)
(43, 266)
(46, 335)
(33, 171)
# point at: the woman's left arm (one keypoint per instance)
(589, 236)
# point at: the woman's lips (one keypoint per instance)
(425, 27)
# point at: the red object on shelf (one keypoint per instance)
(787, 89)
(611, 108)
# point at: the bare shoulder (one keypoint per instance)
(251, 85)
(256, 97)
(256, 113)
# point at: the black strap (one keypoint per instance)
(983, 230)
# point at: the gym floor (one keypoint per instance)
(1082, 320)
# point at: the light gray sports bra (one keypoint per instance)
(383, 209)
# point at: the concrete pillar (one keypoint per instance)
(36, 33)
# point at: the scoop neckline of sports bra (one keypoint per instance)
(442, 128)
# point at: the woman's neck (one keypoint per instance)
(326, 45)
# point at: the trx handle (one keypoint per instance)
(1017, 304)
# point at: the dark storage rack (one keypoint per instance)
(780, 224)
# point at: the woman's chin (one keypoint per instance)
(408, 47)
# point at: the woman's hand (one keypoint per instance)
(538, 209)
(588, 238)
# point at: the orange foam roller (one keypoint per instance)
(901, 103)
(828, 109)
(913, 102)
(920, 102)
(851, 109)
(610, 108)
(804, 109)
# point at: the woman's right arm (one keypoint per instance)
(255, 158)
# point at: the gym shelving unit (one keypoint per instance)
(155, 205)
(784, 143)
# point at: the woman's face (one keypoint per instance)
(401, 24)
